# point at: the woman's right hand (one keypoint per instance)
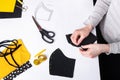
(79, 34)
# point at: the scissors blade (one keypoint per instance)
(37, 24)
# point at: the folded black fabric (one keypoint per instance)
(16, 14)
(61, 65)
(88, 40)
(94, 1)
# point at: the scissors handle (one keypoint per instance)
(47, 35)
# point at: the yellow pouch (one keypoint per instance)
(13, 56)
(7, 5)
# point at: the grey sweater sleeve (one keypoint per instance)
(100, 9)
(114, 48)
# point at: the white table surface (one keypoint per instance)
(67, 16)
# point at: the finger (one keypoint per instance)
(85, 46)
(80, 39)
(81, 49)
(86, 54)
(74, 38)
(77, 38)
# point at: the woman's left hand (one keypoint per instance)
(94, 50)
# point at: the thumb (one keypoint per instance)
(85, 46)
(80, 39)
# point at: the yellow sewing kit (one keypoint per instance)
(7, 5)
(12, 8)
(14, 59)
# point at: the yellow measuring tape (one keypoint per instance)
(40, 57)
(40, 53)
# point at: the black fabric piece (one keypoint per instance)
(16, 14)
(61, 65)
(94, 1)
(109, 64)
(88, 40)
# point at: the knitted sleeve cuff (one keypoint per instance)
(114, 48)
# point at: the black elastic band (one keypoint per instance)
(11, 53)
(6, 44)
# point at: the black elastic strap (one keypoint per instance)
(6, 44)
(11, 53)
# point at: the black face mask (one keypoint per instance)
(61, 65)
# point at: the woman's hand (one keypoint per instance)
(94, 50)
(79, 34)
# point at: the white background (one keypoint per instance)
(67, 16)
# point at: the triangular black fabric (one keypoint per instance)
(61, 65)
